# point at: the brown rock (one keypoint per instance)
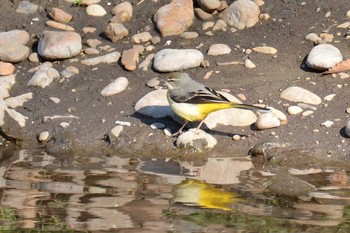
(202, 15)
(174, 18)
(122, 12)
(130, 58)
(6, 68)
(116, 31)
(60, 15)
(60, 26)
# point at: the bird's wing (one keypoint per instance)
(205, 95)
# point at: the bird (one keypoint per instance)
(193, 101)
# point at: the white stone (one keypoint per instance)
(313, 37)
(323, 57)
(307, 113)
(298, 94)
(6, 83)
(348, 14)
(344, 25)
(117, 130)
(95, 10)
(267, 121)
(43, 77)
(141, 37)
(219, 49)
(196, 139)
(265, 49)
(168, 60)
(157, 125)
(117, 86)
(329, 97)
(13, 102)
(44, 136)
(294, 110)
(108, 58)
(249, 64)
(327, 123)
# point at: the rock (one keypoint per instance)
(95, 10)
(196, 139)
(154, 104)
(209, 5)
(46, 64)
(155, 40)
(6, 83)
(294, 110)
(344, 25)
(249, 64)
(14, 37)
(157, 125)
(230, 117)
(59, 45)
(130, 58)
(298, 94)
(241, 14)
(55, 100)
(327, 123)
(117, 86)
(202, 15)
(264, 17)
(144, 65)
(285, 184)
(116, 31)
(168, 60)
(44, 136)
(43, 77)
(141, 37)
(189, 35)
(154, 82)
(174, 18)
(307, 113)
(267, 121)
(219, 25)
(14, 52)
(329, 97)
(122, 12)
(108, 58)
(91, 51)
(69, 71)
(265, 49)
(348, 14)
(61, 26)
(223, 5)
(116, 131)
(279, 114)
(219, 49)
(207, 25)
(323, 57)
(26, 7)
(6, 68)
(89, 29)
(313, 37)
(34, 57)
(347, 128)
(60, 15)
(93, 43)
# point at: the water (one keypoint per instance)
(93, 193)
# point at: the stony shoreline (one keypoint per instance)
(98, 86)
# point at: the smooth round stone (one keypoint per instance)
(323, 57)
(267, 121)
(218, 49)
(95, 10)
(313, 37)
(196, 139)
(154, 82)
(43, 77)
(14, 37)
(249, 64)
(14, 53)
(26, 7)
(33, 57)
(6, 68)
(117, 130)
(347, 128)
(117, 86)
(44, 136)
(157, 125)
(189, 35)
(299, 94)
(327, 123)
(294, 110)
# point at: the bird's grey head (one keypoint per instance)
(176, 80)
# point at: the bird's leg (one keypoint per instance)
(180, 130)
(200, 124)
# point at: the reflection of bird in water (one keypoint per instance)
(197, 193)
(193, 101)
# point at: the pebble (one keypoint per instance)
(141, 37)
(196, 139)
(236, 137)
(91, 51)
(69, 71)
(14, 52)
(34, 57)
(155, 40)
(122, 12)
(6, 82)
(267, 121)
(116, 31)
(189, 35)
(130, 58)
(167, 132)
(117, 86)
(313, 37)
(44, 136)
(14, 37)
(344, 25)
(323, 57)
(347, 128)
(157, 125)
(307, 113)
(249, 64)
(207, 25)
(6, 68)
(144, 65)
(348, 14)
(265, 50)
(55, 100)
(174, 18)
(61, 26)
(219, 49)
(326, 37)
(154, 82)
(167, 60)
(14, 102)
(117, 130)
(89, 29)
(43, 77)
(327, 123)
(264, 17)
(108, 58)
(93, 43)
(294, 110)
(202, 15)
(26, 7)
(64, 124)
(95, 10)
(241, 14)
(123, 123)
(46, 64)
(209, 5)
(279, 114)
(329, 97)
(59, 45)
(60, 15)
(298, 94)
(219, 25)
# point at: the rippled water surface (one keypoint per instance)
(93, 193)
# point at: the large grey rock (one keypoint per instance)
(43, 77)
(298, 94)
(323, 57)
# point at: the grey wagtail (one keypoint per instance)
(193, 101)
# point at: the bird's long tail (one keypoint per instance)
(250, 107)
